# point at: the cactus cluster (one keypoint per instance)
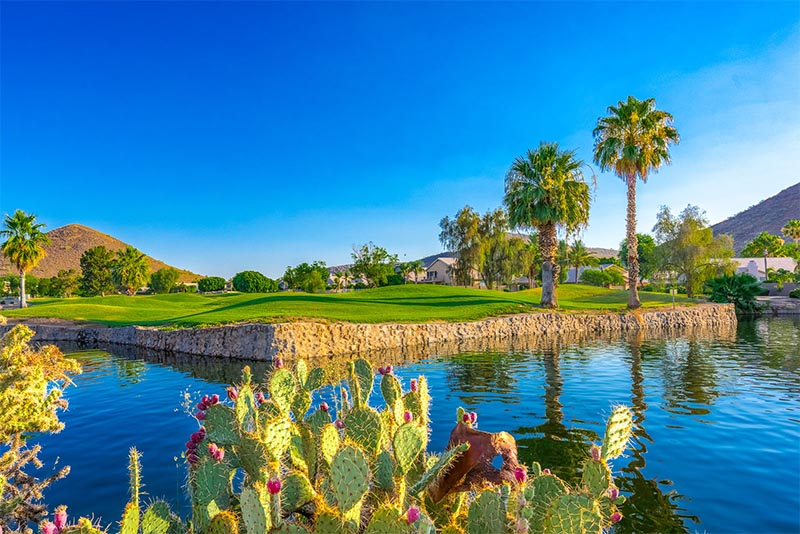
(267, 462)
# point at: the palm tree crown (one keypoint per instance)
(24, 245)
(130, 269)
(633, 141)
(792, 229)
(546, 190)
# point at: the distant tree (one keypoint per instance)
(130, 270)
(499, 261)
(395, 279)
(64, 283)
(792, 230)
(686, 245)
(462, 236)
(529, 260)
(253, 282)
(373, 263)
(610, 260)
(163, 280)
(546, 190)
(602, 278)
(579, 256)
(303, 278)
(211, 283)
(96, 277)
(404, 270)
(416, 269)
(764, 244)
(24, 245)
(562, 262)
(646, 254)
(633, 141)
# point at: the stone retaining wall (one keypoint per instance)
(306, 339)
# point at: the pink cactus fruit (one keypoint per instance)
(595, 451)
(466, 418)
(260, 397)
(339, 424)
(408, 417)
(60, 518)
(613, 493)
(521, 526)
(389, 369)
(48, 528)
(233, 393)
(214, 399)
(202, 432)
(473, 417)
(521, 474)
(278, 363)
(381, 371)
(616, 517)
(414, 386)
(200, 416)
(546, 472)
(323, 406)
(412, 515)
(274, 486)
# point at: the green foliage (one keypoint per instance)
(795, 293)
(688, 248)
(163, 280)
(63, 284)
(24, 245)
(309, 278)
(211, 283)
(130, 270)
(96, 278)
(739, 289)
(602, 278)
(792, 230)
(646, 248)
(764, 244)
(373, 263)
(254, 282)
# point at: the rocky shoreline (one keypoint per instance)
(261, 341)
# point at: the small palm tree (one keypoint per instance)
(792, 229)
(633, 141)
(24, 245)
(546, 190)
(580, 256)
(417, 269)
(130, 270)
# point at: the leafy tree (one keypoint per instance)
(64, 283)
(24, 245)
(610, 260)
(739, 289)
(130, 270)
(253, 282)
(688, 247)
(646, 247)
(96, 276)
(580, 256)
(303, 278)
(498, 253)
(373, 263)
(545, 189)
(461, 235)
(764, 244)
(633, 141)
(163, 280)
(417, 269)
(602, 278)
(211, 283)
(395, 279)
(792, 230)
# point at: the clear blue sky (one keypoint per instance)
(220, 137)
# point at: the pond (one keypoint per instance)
(717, 420)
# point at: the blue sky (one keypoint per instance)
(220, 137)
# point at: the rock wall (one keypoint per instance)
(308, 340)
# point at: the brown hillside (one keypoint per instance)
(769, 216)
(67, 245)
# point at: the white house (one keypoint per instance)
(440, 271)
(755, 266)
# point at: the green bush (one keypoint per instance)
(795, 293)
(163, 280)
(739, 289)
(604, 278)
(254, 282)
(212, 283)
(395, 280)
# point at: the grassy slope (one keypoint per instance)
(410, 303)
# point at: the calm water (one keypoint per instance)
(717, 438)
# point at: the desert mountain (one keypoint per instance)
(67, 245)
(769, 216)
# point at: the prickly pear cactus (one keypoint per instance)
(390, 388)
(221, 425)
(487, 513)
(573, 514)
(350, 477)
(329, 442)
(441, 466)
(388, 519)
(384, 471)
(596, 477)
(365, 427)
(361, 379)
(282, 389)
(408, 443)
(223, 523)
(296, 491)
(158, 519)
(255, 506)
(618, 433)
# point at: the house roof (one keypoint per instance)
(773, 263)
(447, 260)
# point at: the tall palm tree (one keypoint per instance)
(130, 270)
(792, 229)
(546, 190)
(24, 245)
(580, 256)
(633, 141)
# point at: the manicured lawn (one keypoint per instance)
(405, 304)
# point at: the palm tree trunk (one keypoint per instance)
(633, 246)
(548, 244)
(22, 302)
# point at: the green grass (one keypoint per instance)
(403, 304)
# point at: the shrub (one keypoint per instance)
(253, 282)
(795, 293)
(212, 283)
(739, 289)
(163, 280)
(395, 280)
(604, 278)
(313, 282)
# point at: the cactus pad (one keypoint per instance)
(301, 372)
(540, 494)
(328, 523)
(253, 456)
(487, 514)
(439, 467)
(317, 420)
(364, 426)
(246, 408)
(211, 482)
(296, 491)
(409, 441)
(130, 519)
(384, 471)
(316, 378)
(301, 404)
(349, 474)
(573, 514)
(275, 436)
(282, 388)
(158, 519)
(221, 425)
(361, 378)
(254, 502)
(390, 388)
(596, 477)
(329, 442)
(223, 523)
(618, 432)
(388, 520)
